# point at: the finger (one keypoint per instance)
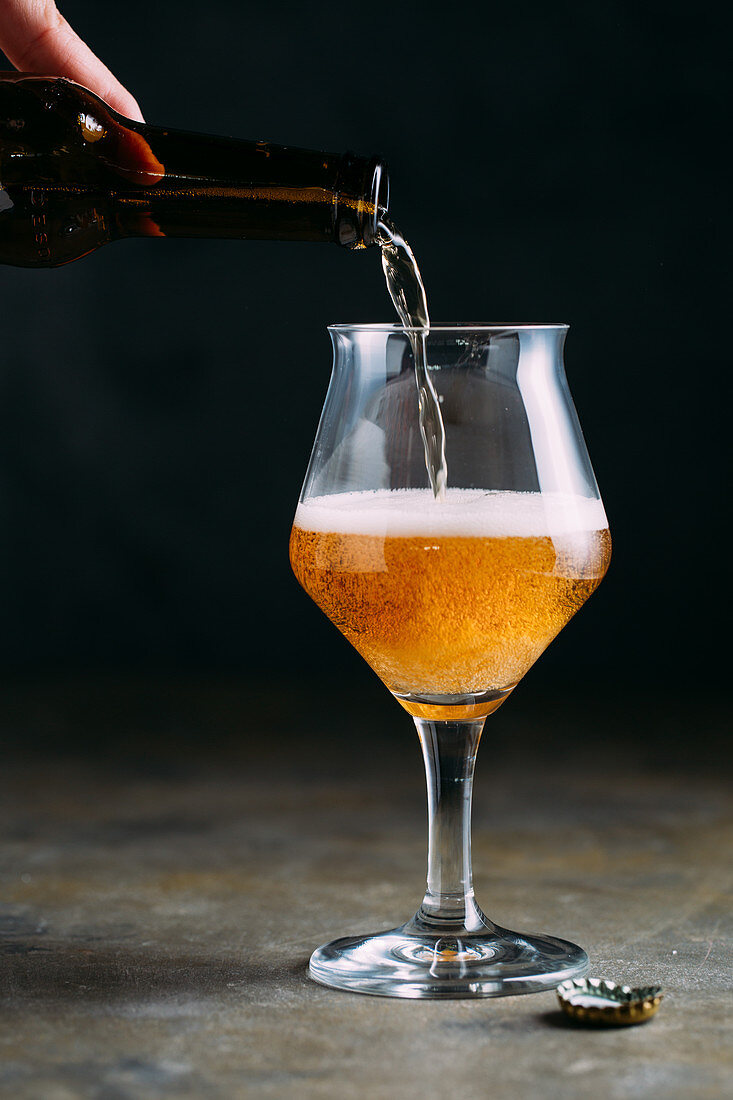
(36, 38)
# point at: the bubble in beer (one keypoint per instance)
(452, 600)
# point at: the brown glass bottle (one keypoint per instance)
(75, 175)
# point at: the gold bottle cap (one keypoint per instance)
(595, 1001)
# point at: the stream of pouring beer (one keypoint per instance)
(407, 292)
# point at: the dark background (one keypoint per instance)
(159, 399)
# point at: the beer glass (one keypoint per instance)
(449, 600)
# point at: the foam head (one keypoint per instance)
(464, 513)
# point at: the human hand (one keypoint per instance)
(36, 38)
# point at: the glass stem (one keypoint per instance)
(449, 750)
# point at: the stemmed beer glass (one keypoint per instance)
(450, 600)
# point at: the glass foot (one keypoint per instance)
(406, 963)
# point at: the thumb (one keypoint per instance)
(36, 38)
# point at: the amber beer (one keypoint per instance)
(450, 599)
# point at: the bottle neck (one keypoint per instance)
(202, 186)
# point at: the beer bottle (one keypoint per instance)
(75, 175)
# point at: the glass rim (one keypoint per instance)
(451, 326)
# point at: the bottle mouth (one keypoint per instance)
(362, 200)
(378, 199)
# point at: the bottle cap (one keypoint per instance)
(597, 1002)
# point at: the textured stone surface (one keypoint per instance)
(171, 854)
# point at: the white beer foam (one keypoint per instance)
(466, 513)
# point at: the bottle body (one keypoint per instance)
(75, 175)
